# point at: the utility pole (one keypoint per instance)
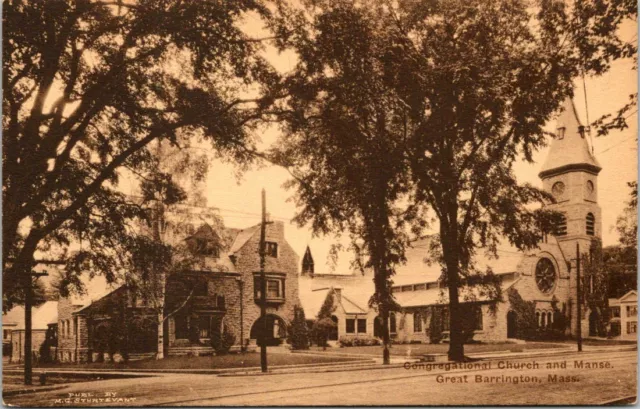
(263, 286)
(28, 303)
(579, 296)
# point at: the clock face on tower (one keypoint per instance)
(546, 276)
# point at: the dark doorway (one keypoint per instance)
(593, 324)
(333, 335)
(512, 330)
(377, 327)
(271, 330)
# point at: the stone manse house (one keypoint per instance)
(219, 294)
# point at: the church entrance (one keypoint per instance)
(593, 324)
(512, 329)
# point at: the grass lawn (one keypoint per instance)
(419, 349)
(246, 360)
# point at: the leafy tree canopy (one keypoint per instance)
(435, 100)
(87, 86)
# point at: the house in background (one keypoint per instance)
(10, 322)
(624, 316)
(351, 293)
(220, 292)
(43, 320)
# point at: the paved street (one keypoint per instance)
(614, 376)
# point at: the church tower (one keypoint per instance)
(570, 173)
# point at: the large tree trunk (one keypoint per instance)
(160, 350)
(451, 258)
(385, 337)
(160, 285)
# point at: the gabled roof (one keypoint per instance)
(13, 317)
(98, 302)
(242, 238)
(417, 271)
(351, 307)
(569, 149)
(312, 301)
(40, 316)
(437, 296)
(631, 296)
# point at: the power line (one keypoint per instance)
(616, 145)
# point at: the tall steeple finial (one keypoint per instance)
(570, 148)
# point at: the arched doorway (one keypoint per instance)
(377, 327)
(272, 330)
(333, 335)
(511, 324)
(593, 324)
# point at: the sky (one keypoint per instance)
(239, 199)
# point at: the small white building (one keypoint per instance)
(624, 316)
(351, 293)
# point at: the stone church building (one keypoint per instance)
(545, 275)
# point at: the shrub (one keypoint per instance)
(223, 341)
(360, 340)
(435, 326)
(322, 329)
(526, 320)
(299, 337)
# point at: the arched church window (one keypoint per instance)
(591, 223)
(560, 229)
(558, 189)
(549, 318)
(538, 318)
(543, 323)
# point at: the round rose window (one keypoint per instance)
(545, 275)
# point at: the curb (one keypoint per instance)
(372, 366)
(126, 373)
(32, 390)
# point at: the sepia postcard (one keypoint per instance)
(319, 203)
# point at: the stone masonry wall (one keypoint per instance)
(218, 284)
(248, 263)
(17, 343)
(66, 337)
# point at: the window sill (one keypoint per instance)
(270, 300)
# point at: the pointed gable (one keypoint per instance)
(569, 149)
(307, 262)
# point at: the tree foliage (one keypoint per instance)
(324, 324)
(87, 86)
(627, 222)
(432, 102)
(343, 141)
(299, 331)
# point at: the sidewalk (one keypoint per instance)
(367, 362)
(163, 372)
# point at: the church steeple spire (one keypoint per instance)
(570, 149)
